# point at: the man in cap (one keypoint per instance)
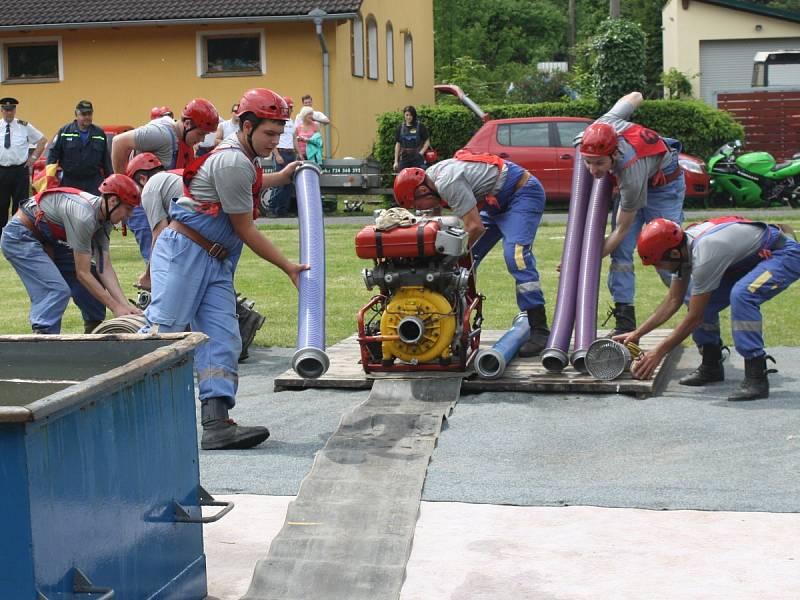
(15, 159)
(650, 180)
(82, 150)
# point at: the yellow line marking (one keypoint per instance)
(759, 281)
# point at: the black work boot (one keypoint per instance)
(90, 326)
(710, 370)
(250, 321)
(222, 433)
(625, 315)
(537, 319)
(755, 384)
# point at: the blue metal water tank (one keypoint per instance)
(99, 468)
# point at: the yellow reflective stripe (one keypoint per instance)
(759, 281)
(518, 258)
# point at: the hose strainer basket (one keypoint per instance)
(607, 359)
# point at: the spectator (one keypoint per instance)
(82, 150)
(228, 126)
(316, 115)
(305, 130)
(15, 159)
(411, 141)
(286, 152)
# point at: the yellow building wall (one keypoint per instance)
(359, 100)
(684, 29)
(126, 71)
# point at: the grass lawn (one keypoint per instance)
(276, 298)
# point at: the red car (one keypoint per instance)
(543, 145)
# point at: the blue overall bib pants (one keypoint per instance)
(190, 287)
(515, 221)
(745, 286)
(665, 201)
(50, 282)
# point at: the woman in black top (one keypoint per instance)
(411, 141)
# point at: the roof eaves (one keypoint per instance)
(757, 9)
(168, 22)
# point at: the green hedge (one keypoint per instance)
(702, 129)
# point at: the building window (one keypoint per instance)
(231, 53)
(32, 61)
(408, 47)
(372, 47)
(357, 46)
(389, 53)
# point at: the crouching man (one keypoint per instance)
(51, 242)
(497, 200)
(716, 263)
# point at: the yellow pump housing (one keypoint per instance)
(437, 323)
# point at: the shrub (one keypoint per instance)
(702, 129)
(619, 62)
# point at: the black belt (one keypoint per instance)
(25, 164)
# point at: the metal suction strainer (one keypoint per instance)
(607, 359)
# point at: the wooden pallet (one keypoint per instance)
(521, 375)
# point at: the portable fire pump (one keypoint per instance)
(427, 315)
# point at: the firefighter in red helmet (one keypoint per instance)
(650, 181)
(195, 257)
(721, 262)
(52, 242)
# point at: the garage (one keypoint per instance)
(728, 64)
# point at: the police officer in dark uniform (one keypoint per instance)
(16, 137)
(82, 151)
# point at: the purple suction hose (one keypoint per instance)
(309, 360)
(589, 278)
(555, 357)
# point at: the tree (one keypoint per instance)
(619, 63)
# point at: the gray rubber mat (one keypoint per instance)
(348, 534)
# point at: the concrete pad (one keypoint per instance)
(481, 552)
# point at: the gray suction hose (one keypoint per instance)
(555, 357)
(490, 363)
(310, 360)
(589, 276)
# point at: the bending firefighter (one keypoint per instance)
(195, 257)
(51, 243)
(716, 263)
(497, 200)
(650, 180)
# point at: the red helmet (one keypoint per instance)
(658, 237)
(146, 161)
(264, 104)
(289, 101)
(599, 139)
(123, 187)
(160, 111)
(406, 183)
(202, 113)
(431, 156)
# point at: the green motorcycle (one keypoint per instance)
(752, 179)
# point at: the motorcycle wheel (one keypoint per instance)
(720, 200)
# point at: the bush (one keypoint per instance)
(619, 60)
(702, 129)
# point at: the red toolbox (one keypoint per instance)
(401, 242)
